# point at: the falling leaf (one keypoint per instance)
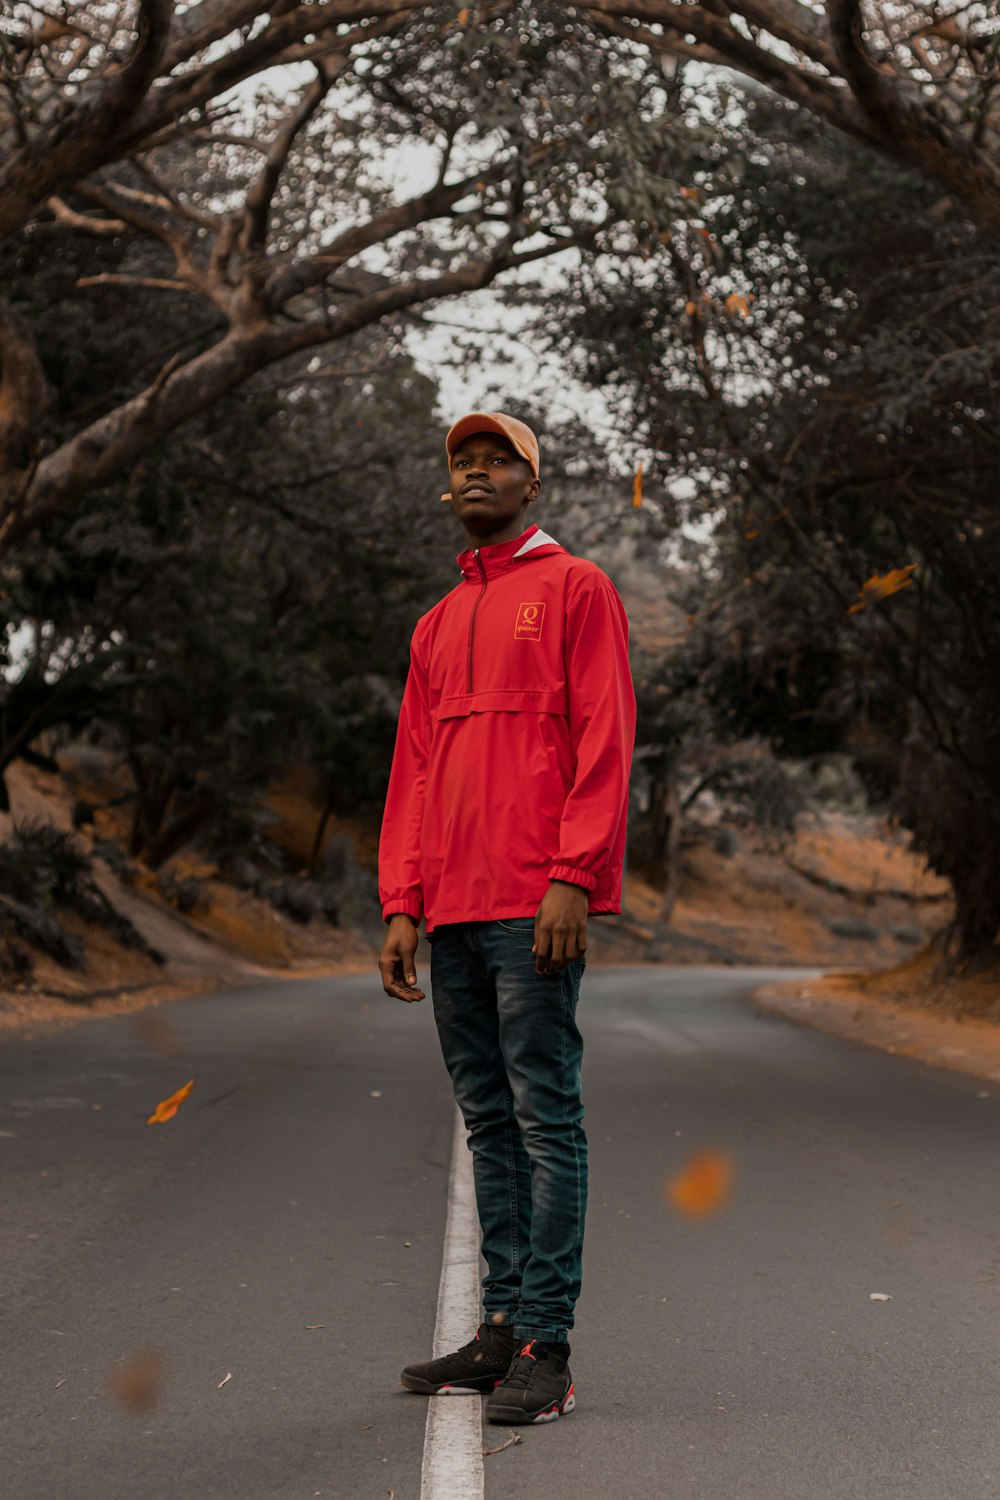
(225, 1380)
(637, 488)
(880, 586)
(139, 1383)
(167, 1108)
(702, 1185)
(690, 192)
(315, 1325)
(376, 1093)
(737, 304)
(879, 1297)
(691, 308)
(463, 16)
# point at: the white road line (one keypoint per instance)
(453, 1439)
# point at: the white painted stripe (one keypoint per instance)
(453, 1438)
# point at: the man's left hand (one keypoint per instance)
(560, 927)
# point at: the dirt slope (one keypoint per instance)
(844, 893)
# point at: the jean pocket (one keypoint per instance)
(520, 927)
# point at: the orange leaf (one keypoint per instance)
(637, 488)
(880, 586)
(463, 16)
(139, 1382)
(692, 193)
(167, 1108)
(702, 1186)
(691, 308)
(737, 304)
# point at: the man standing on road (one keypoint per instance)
(505, 827)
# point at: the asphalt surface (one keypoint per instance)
(303, 1183)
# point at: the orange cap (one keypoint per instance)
(517, 433)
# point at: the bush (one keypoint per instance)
(43, 870)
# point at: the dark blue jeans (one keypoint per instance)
(513, 1049)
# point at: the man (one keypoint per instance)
(505, 827)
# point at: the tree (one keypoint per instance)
(270, 227)
(836, 403)
(916, 81)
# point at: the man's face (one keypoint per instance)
(491, 487)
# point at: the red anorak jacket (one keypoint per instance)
(515, 741)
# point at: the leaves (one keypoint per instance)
(637, 488)
(167, 1108)
(702, 1186)
(880, 586)
(735, 304)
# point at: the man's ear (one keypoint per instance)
(533, 490)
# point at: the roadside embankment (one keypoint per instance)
(915, 1010)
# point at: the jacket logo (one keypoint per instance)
(528, 625)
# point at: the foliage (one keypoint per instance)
(274, 230)
(915, 80)
(844, 440)
(44, 871)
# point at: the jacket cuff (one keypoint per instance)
(402, 908)
(573, 877)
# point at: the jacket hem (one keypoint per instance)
(604, 908)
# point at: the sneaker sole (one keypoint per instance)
(428, 1388)
(510, 1416)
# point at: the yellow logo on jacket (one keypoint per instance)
(528, 625)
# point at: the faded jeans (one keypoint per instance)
(513, 1049)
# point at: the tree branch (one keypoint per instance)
(113, 442)
(911, 131)
(24, 399)
(63, 214)
(194, 89)
(256, 212)
(80, 138)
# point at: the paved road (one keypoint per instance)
(304, 1183)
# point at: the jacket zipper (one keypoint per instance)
(472, 623)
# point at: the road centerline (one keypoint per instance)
(453, 1444)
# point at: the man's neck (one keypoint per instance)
(494, 538)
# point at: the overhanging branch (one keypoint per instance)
(79, 140)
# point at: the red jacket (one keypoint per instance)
(514, 743)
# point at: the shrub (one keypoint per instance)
(43, 870)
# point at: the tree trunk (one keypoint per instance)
(666, 837)
(317, 843)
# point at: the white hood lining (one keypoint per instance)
(540, 539)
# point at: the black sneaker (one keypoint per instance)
(537, 1388)
(470, 1371)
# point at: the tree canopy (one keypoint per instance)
(915, 80)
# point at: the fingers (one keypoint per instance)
(399, 974)
(556, 946)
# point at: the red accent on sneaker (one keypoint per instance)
(527, 1351)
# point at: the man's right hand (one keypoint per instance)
(396, 965)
